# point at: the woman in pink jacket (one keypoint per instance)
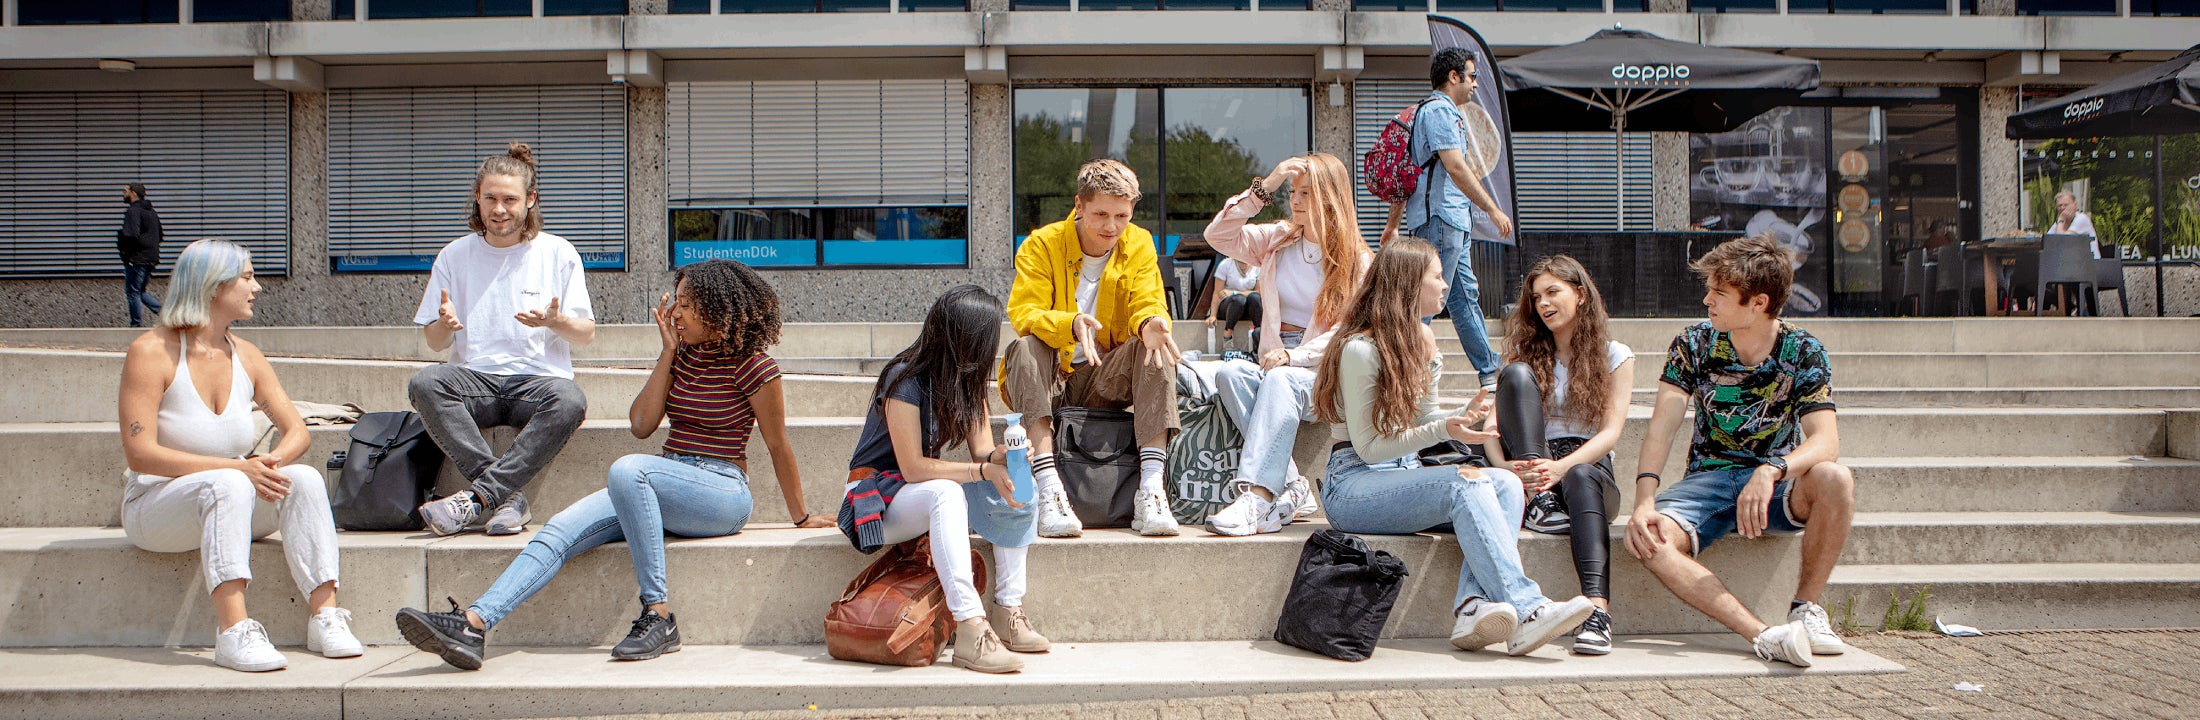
(1310, 267)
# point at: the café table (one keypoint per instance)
(1995, 253)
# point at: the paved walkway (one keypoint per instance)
(2023, 676)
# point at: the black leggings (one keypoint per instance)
(1234, 308)
(1585, 491)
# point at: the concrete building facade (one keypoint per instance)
(681, 129)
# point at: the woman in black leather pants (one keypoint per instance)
(1559, 427)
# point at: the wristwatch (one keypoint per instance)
(1779, 463)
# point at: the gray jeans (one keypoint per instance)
(456, 403)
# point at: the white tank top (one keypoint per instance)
(187, 424)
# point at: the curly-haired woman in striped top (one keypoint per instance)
(713, 381)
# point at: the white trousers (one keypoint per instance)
(217, 513)
(938, 507)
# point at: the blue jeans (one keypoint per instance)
(1703, 504)
(1465, 299)
(134, 279)
(646, 497)
(1401, 497)
(1267, 407)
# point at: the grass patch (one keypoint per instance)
(1913, 616)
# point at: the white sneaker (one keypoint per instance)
(1823, 640)
(1249, 515)
(1788, 643)
(1152, 517)
(329, 634)
(1300, 494)
(1055, 518)
(245, 647)
(1482, 623)
(1547, 623)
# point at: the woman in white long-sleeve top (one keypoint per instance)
(1310, 266)
(1377, 388)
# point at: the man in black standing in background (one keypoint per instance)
(139, 243)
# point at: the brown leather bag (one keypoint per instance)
(895, 612)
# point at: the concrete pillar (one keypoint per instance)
(1669, 176)
(992, 188)
(2001, 165)
(309, 186)
(1333, 123)
(1997, 7)
(1669, 6)
(312, 9)
(647, 7)
(648, 251)
(989, 5)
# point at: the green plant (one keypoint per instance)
(1847, 625)
(1913, 616)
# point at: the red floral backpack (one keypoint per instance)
(1388, 168)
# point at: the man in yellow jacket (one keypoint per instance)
(1093, 331)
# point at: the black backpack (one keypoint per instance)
(1096, 455)
(386, 474)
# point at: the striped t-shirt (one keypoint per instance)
(709, 401)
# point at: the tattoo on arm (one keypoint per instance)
(136, 427)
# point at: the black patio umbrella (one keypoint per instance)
(2163, 99)
(1621, 80)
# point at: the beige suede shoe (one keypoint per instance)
(1019, 636)
(977, 648)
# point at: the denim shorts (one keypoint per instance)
(1703, 504)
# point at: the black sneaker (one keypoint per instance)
(653, 635)
(447, 634)
(1595, 635)
(1547, 515)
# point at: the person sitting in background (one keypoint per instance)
(1236, 298)
(2068, 221)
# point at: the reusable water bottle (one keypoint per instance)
(1019, 457)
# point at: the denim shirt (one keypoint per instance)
(1437, 126)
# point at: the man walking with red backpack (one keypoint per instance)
(1437, 201)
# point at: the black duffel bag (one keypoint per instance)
(1341, 597)
(387, 473)
(1096, 454)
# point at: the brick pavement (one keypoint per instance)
(2043, 676)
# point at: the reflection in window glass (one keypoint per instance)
(1869, 7)
(2067, 7)
(762, 237)
(2166, 8)
(1039, 4)
(1219, 138)
(1389, 6)
(209, 11)
(853, 6)
(1732, 6)
(767, 6)
(410, 9)
(1058, 130)
(94, 12)
(1464, 6)
(896, 236)
(582, 7)
(1554, 5)
(690, 7)
(934, 5)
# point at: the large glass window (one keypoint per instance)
(1217, 139)
(927, 235)
(240, 10)
(1733, 6)
(579, 7)
(2166, 8)
(2067, 7)
(1869, 7)
(94, 12)
(1084, 5)
(415, 9)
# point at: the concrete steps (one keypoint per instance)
(828, 387)
(770, 584)
(870, 340)
(70, 473)
(2047, 595)
(64, 684)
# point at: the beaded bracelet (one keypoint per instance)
(1262, 192)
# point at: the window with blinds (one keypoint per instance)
(820, 173)
(402, 161)
(1562, 181)
(214, 163)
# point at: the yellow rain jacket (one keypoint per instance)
(1044, 297)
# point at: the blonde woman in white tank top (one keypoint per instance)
(188, 388)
